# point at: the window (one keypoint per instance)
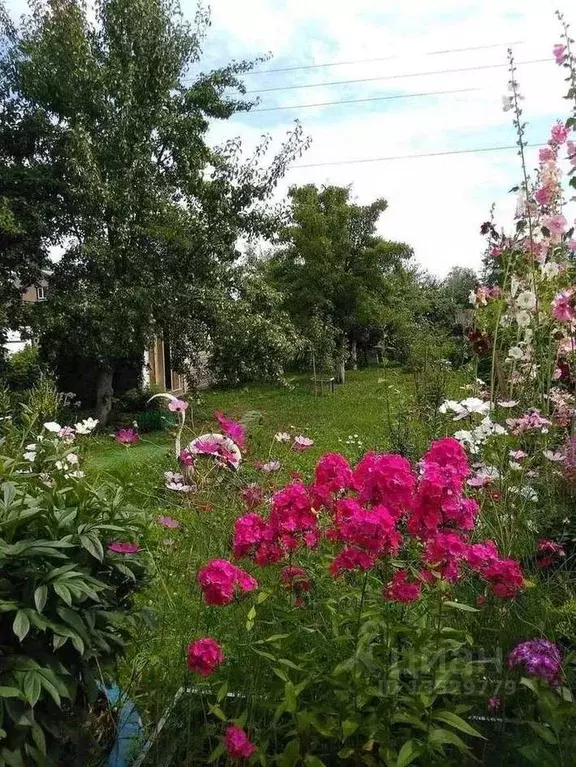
(40, 293)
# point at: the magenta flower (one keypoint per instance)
(540, 658)
(494, 703)
(127, 437)
(124, 548)
(168, 522)
(563, 308)
(302, 443)
(186, 458)
(204, 656)
(556, 225)
(177, 406)
(231, 429)
(238, 744)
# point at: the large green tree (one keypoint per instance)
(333, 267)
(153, 212)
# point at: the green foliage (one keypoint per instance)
(66, 603)
(23, 369)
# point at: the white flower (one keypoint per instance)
(60, 465)
(52, 426)
(514, 285)
(526, 492)
(30, 456)
(466, 438)
(472, 297)
(528, 335)
(551, 269)
(551, 456)
(476, 405)
(523, 319)
(72, 459)
(515, 353)
(282, 436)
(526, 300)
(86, 426)
(508, 403)
(515, 466)
(74, 474)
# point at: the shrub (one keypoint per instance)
(23, 369)
(66, 596)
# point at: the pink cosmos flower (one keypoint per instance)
(67, 434)
(186, 458)
(302, 443)
(127, 437)
(232, 429)
(168, 522)
(220, 580)
(401, 590)
(238, 744)
(221, 447)
(563, 308)
(517, 455)
(124, 548)
(269, 466)
(177, 406)
(559, 53)
(547, 552)
(204, 656)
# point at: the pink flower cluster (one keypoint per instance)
(221, 580)
(204, 656)
(530, 421)
(400, 589)
(564, 305)
(127, 437)
(232, 429)
(237, 743)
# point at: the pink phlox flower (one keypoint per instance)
(237, 743)
(371, 530)
(253, 536)
(386, 479)
(333, 473)
(349, 559)
(444, 552)
(302, 443)
(296, 579)
(540, 658)
(124, 548)
(177, 406)
(292, 517)
(479, 555)
(232, 429)
(168, 522)
(401, 590)
(204, 656)
(505, 577)
(559, 52)
(220, 580)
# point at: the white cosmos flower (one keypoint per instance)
(86, 426)
(526, 300)
(551, 269)
(552, 456)
(523, 319)
(282, 436)
(52, 426)
(526, 492)
(30, 456)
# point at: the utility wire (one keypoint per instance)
(384, 58)
(396, 77)
(360, 101)
(412, 156)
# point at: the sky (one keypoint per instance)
(436, 203)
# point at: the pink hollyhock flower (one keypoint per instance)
(253, 536)
(220, 580)
(177, 406)
(401, 590)
(386, 479)
(296, 579)
(560, 54)
(558, 134)
(168, 522)
(204, 656)
(505, 577)
(237, 743)
(302, 443)
(563, 308)
(556, 225)
(351, 559)
(544, 195)
(545, 154)
(232, 429)
(124, 548)
(127, 437)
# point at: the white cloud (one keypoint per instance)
(436, 204)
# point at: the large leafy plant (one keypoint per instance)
(66, 591)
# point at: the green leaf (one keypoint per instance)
(216, 754)
(313, 761)
(440, 736)
(12, 758)
(39, 739)
(461, 606)
(291, 754)
(10, 692)
(544, 732)
(63, 592)
(32, 687)
(21, 625)
(251, 613)
(530, 684)
(349, 728)
(449, 717)
(40, 597)
(222, 692)
(289, 664)
(93, 546)
(409, 751)
(289, 697)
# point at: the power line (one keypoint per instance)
(360, 101)
(411, 156)
(395, 77)
(384, 58)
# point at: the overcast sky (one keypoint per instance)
(435, 203)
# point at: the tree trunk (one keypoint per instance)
(104, 393)
(341, 366)
(354, 353)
